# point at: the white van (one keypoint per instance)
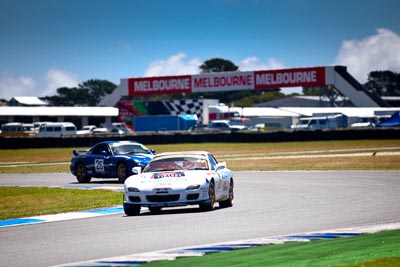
(317, 123)
(57, 129)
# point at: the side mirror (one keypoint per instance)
(220, 166)
(153, 151)
(136, 170)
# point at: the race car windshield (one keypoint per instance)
(131, 149)
(177, 163)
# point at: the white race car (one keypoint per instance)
(178, 179)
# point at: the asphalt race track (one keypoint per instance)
(266, 204)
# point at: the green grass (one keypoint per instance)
(39, 168)
(219, 149)
(382, 248)
(231, 153)
(17, 202)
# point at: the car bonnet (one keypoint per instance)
(170, 179)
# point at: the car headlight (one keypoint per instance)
(133, 189)
(193, 187)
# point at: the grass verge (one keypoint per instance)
(37, 155)
(239, 156)
(18, 202)
(381, 249)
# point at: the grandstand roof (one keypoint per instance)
(58, 111)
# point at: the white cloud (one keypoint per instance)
(11, 86)
(174, 65)
(56, 78)
(376, 52)
(253, 63)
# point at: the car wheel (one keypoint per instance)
(131, 210)
(81, 173)
(229, 202)
(122, 172)
(155, 209)
(209, 205)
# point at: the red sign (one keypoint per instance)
(224, 81)
(267, 79)
(160, 85)
(227, 81)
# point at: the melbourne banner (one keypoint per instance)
(227, 81)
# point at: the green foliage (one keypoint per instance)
(258, 97)
(97, 89)
(311, 90)
(88, 93)
(383, 83)
(218, 65)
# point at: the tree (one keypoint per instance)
(218, 65)
(68, 97)
(383, 83)
(311, 90)
(3, 102)
(97, 89)
(88, 93)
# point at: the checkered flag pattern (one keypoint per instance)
(185, 106)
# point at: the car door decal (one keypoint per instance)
(99, 165)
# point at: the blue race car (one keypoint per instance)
(109, 159)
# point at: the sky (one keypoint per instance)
(48, 44)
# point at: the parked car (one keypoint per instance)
(109, 159)
(203, 128)
(100, 131)
(14, 129)
(179, 179)
(120, 127)
(227, 125)
(86, 130)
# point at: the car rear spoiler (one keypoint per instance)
(79, 152)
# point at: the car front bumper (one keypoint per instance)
(166, 198)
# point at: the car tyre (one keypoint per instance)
(229, 202)
(122, 172)
(81, 173)
(131, 210)
(209, 205)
